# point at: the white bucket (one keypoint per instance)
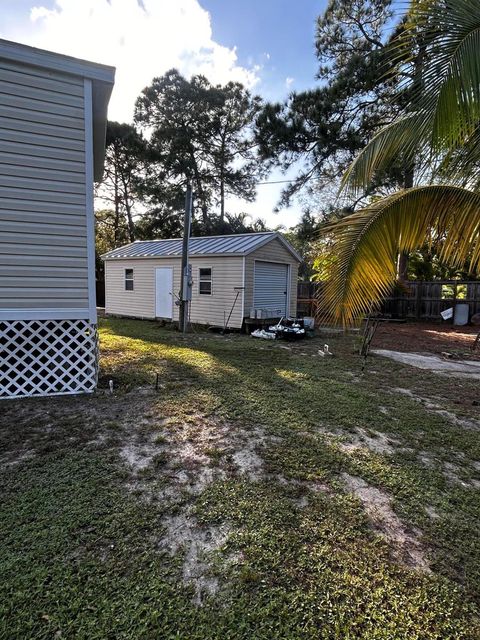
(461, 314)
(309, 323)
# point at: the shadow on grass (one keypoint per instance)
(81, 555)
(304, 401)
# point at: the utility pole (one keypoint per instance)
(186, 280)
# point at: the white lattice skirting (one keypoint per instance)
(47, 357)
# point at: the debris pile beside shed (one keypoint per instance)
(287, 329)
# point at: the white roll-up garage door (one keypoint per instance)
(270, 289)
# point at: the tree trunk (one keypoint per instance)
(128, 207)
(130, 223)
(402, 262)
(402, 267)
(222, 197)
(222, 181)
(206, 221)
(116, 223)
(202, 200)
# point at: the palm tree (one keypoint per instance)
(439, 134)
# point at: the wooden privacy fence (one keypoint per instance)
(307, 293)
(416, 299)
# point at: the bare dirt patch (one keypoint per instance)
(174, 461)
(406, 545)
(166, 458)
(453, 473)
(197, 544)
(432, 512)
(431, 404)
(423, 337)
(138, 456)
(373, 440)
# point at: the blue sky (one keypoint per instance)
(277, 34)
(266, 44)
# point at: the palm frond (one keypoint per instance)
(461, 166)
(450, 83)
(367, 243)
(406, 137)
(444, 101)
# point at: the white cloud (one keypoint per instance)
(141, 38)
(289, 81)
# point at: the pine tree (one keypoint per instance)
(202, 134)
(322, 129)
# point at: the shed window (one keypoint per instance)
(128, 279)
(205, 281)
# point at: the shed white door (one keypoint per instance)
(164, 292)
(270, 290)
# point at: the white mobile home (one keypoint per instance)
(53, 112)
(233, 276)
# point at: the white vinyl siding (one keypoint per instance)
(43, 223)
(140, 302)
(227, 273)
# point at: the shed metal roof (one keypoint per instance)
(231, 245)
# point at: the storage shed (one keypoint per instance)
(53, 111)
(234, 276)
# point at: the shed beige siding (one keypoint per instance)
(139, 303)
(274, 251)
(227, 273)
(43, 226)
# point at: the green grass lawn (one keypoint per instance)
(261, 492)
